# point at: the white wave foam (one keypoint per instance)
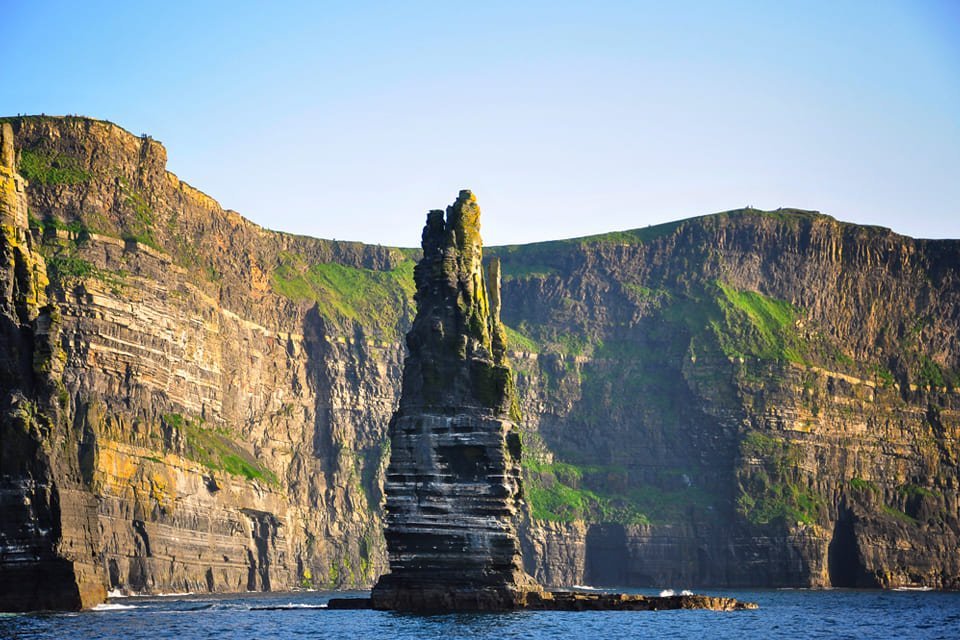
(913, 589)
(667, 592)
(686, 592)
(584, 587)
(116, 593)
(109, 606)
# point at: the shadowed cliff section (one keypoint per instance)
(747, 385)
(47, 548)
(746, 398)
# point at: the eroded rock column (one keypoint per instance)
(453, 483)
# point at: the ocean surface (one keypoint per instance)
(782, 614)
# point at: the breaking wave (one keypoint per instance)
(111, 606)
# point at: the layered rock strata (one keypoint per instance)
(453, 491)
(748, 398)
(453, 483)
(173, 423)
(48, 551)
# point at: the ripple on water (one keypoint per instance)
(782, 614)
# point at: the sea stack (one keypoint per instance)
(453, 484)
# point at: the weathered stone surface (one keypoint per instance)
(641, 375)
(222, 437)
(453, 483)
(48, 556)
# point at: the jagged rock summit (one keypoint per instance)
(453, 484)
(453, 490)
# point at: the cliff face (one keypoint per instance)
(191, 402)
(48, 557)
(740, 399)
(225, 408)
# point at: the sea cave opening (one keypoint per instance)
(843, 554)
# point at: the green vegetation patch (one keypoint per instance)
(772, 450)
(640, 293)
(377, 299)
(560, 503)
(923, 371)
(140, 220)
(916, 491)
(757, 325)
(931, 376)
(670, 505)
(769, 490)
(779, 501)
(40, 166)
(572, 344)
(64, 266)
(555, 492)
(883, 376)
(63, 256)
(565, 492)
(864, 485)
(215, 449)
(517, 341)
(899, 515)
(78, 229)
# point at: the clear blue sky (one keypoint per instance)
(350, 120)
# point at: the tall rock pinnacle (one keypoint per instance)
(453, 483)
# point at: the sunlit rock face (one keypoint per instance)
(453, 484)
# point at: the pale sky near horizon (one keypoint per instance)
(350, 120)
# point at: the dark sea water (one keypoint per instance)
(782, 614)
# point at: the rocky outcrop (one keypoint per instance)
(747, 398)
(453, 483)
(540, 600)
